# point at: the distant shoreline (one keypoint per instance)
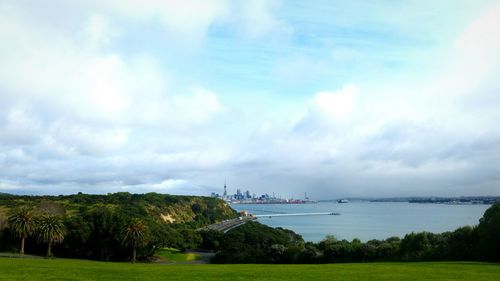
(464, 200)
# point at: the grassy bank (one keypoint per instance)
(64, 269)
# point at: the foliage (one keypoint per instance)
(211, 239)
(488, 232)
(95, 223)
(22, 223)
(95, 233)
(50, 229)
(135, 235)
(257, 243)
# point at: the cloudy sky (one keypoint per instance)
(332, 98)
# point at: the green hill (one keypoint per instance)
(95, 224)
(160, 207)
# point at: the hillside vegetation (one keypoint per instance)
(123, 226)
(61, 269)
(94, 225)
(197, 210)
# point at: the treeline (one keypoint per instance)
(115, 227)
(123, 226)
(194, 210)
(256, 243)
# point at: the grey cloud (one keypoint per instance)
(417, 144)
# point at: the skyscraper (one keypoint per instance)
(224, 196)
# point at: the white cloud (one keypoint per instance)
(259, 21)
(51, 147)
(17, 156)
(334, 113)
(19, 127)
(473, 60)
(106, 85)
(191, 20)
(477, 48)
(90, 85)
(187, 20)
(71, 105)
(98, 32)
(6, 186)
(199, 107)
(89, 140)
(165, 186)
(335, 105)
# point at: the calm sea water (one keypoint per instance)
(367, 220)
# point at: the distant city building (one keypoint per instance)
(248, 198)
(224, 196)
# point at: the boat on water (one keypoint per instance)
(342, 201)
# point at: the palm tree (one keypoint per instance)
(51, 230)
(23, 224)
(135, 236)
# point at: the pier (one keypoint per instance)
(296, 214)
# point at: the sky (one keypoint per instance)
(332, 98)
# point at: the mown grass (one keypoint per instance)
(174, 255)
(66, 269)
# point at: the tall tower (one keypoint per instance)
(224, 196)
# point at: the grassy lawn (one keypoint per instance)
(174, 255)
(67, 269)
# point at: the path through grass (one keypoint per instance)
(174, 255)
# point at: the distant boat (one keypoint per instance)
(343, 201)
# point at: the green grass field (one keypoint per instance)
(67, 269)
(174, 255)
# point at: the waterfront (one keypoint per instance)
(367, 220)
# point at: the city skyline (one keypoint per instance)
(246, 192)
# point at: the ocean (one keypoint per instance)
(366, 220)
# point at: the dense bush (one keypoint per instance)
(95, 223)
(488, 232)
(258, 243)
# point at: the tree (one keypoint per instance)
(277, 252)
(489, 234)
(253, 243)
(23, 224)
(135, 236)
(51, 230)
